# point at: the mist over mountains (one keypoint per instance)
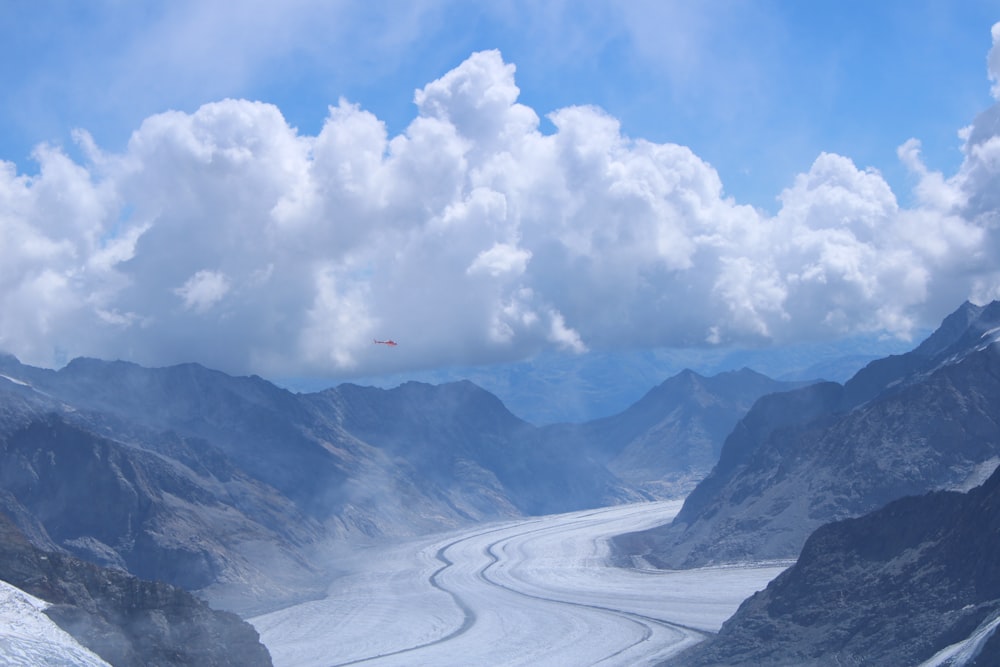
(244, 493)
(125, 620)
(236, 488)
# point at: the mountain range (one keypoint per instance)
(244, 493)
(904, 425)
(240, 491)
(669, 440)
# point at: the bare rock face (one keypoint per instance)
(131, 508)
(234, 488)
(125, 620)
(904, 425)
(894, 587)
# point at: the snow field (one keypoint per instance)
(28, 638)
(538, 591)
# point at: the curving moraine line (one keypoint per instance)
(645, 622)
(469, 615)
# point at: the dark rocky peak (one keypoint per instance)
(781, 411)
(951, 330)
(777, 411)
(370, 408)
(263, 429)
(242, 415)
(727, 382)
(450, 397)
(960, 333)
(9, 363)
(11, 367)
(981, 332)
(893, 587)
(669, 439)
(692, 391)
(185, 396)
(799, 459)
(685, 386)
(457, 433)
(742, 379)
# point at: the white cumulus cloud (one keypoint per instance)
(501, 259)
(228, 237)
(203, 290)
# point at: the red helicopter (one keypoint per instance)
(385, 342)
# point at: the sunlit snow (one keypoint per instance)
(28, 638)
(538, 591)
(963, 652)
(14, 380)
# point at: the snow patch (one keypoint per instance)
(992, 335)
(15, 380)
(978, 474)
(961, 653)
(29, 638)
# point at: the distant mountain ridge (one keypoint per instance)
(567, 388)
(233, 487)
(228, 484)
(243, 492)
(670, 439)
(903, 425)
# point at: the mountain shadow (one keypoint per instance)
(127, 621)
(913, 581)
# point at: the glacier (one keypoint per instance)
(534, 591)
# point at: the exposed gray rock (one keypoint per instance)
(125, 620)
(893, 587)
(232, 487)
(904, 425)
(135, 509)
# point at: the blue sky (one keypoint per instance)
(757, 89)
(264, 187)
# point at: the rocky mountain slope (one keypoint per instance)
(670, 439)
(160, 505)
(903, 425)
(126, 621)
(240, 490)
(28, 637)
(461, 443)
(915, 581)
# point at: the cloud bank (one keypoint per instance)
(226, 236)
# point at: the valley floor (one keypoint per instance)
(538, 591)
